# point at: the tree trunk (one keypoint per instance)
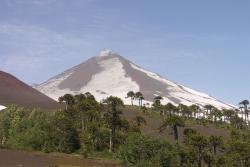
(110, 141)
(199, 158)
(245, 116)
(215, 151)
(113, 138)
(176, 134)
(82, 122)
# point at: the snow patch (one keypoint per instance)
(113, 80)
(186, 95)
(189, 99)
(2, 107)
(51, 87)
(195, 92)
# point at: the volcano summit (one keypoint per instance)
(110, 74)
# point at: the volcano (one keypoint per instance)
(111, 74)
(14, 91)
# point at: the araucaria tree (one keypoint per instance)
(88, 109)
(195, 110)
(68, 99)
(131, 95)
(157, 103)
(140, 97)
(173, 122)
(139, 120)
(216, 142)
(113, 117)
(208, 109)
(184, 110)
(245, 103)
(199, 145)
(228, 114)
(170, 109)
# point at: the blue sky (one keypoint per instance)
(201, 44)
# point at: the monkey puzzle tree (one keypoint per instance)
(88, 108)
(68, 99)
(195, 110)
(184, 110)
(139, 120)
(140, 97)
(208, 109)
(170, 109)
(216, 142)
(157, 103)
(216, 114)
(131, 94)
(245, 103)
(173, 122)
(199, 145)
(113, 117)
(228, 114)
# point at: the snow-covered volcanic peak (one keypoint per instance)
(110, 74)
(106, 52)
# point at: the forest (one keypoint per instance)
(88, 128)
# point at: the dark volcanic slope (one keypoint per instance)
(14, 91)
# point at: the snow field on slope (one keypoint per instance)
(51, 87)
(112, 81)
(186, 95)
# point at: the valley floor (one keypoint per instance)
(13, 158)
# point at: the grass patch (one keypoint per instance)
(102, 155)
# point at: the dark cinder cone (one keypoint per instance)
(14, 91)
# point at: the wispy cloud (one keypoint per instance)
(32, 48)
(31, 2)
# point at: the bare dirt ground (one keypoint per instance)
(10, 158)
(154, 121)
(13, 158)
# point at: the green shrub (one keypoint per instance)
(139, 150)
